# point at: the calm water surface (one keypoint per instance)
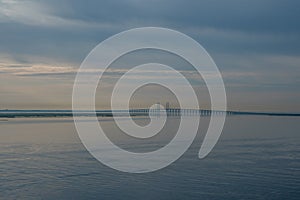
(257, 157)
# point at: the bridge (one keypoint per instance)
(108, 113)
(177, 112)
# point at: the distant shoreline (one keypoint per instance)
(5, 114)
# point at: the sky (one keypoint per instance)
(255, 44)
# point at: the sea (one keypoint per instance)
(256, 157)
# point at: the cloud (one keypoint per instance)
(36, 13)
(36, 69)
(256, 44)
(70, 29)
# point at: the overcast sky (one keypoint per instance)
(256, 45)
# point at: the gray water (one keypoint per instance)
(257, 157)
